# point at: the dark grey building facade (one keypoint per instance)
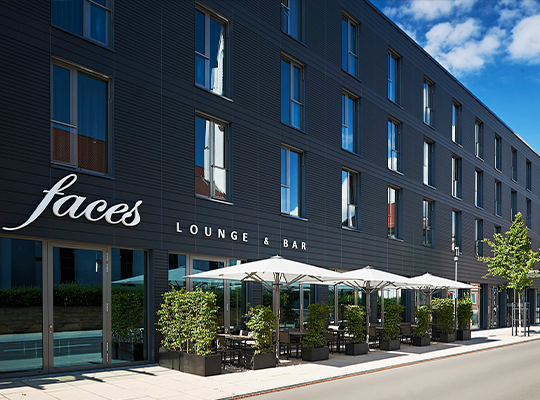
(143, 141)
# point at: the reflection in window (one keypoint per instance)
(394, 75)
(349, 200)
(177, 271)
(290, 18)
(215, 286)
(479, 139)
(456, 122)
(290, 182)
(211, 159)
(210, 52)
(292, 94)
(498, 198)
(498, 152)
(349, 124)
(394, 208)
(456, 229)
(394, 145)
(428, 102)
(349, 46)
(428, 213)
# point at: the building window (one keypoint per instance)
(349, 123)
(349, 46)
(456, 177)
(429, 114)
(394, 212)
(498, 198)
(211, 159)
(394, 76)
(479, 236)
(529, 175)
(479, 188)
(79, 123)
(498, 152)
(292, 94)
(528, 220)
(394, 145)
(428, 214)
(429, 163)
(210, 51)
(90, 19)
(514, 164)
(456, 122)
(479, 139)
(456, 230)
(350, 217)
(291, 18)
(498, 229)
(291, 182)
(513, 205)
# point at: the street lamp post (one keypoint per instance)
(456, 257)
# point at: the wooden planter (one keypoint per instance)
(448, 337)
(190, 363)
(389, 345)
(316, 354)
(421, 340)
(463, 334)
(356, 349)
(260, 361)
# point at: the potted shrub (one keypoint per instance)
(443, 313)
(464, 315)
(422, 333)
(126, 323)
(262, 324)
(392, 319)
(187, 321)
(314, 346)
(355, 327)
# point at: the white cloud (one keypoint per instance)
(525, 41)
(429, 10)
(460, 48)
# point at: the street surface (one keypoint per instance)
(501, 373)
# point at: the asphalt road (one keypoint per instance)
(503, 373)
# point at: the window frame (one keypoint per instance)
(351, 22)
(498, 199)
(227, 148)
(513, 205)
(479, 139)
(479, 188)
(429, 113)
(208, 16)
(456, 122)
(479, 236)
(345, 112)
(528, 181)
(74, 71)
(395, 94)
(456, 230)
(287, 185)
(514, 164)
(498, 153)
(456, 176)
(428, 220)
(86, 4)
(350, 193)
(291, 101)
(429, 163)
(396, 216)
(394, 130)
(286, 4)
(528, 218)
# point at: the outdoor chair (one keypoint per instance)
(373, 335)
(436, 332)
(405, 332)
(229, 354)
(331, 341)
(284, 343)
(296, 341)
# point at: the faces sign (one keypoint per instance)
(72, 205)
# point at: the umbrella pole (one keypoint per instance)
(368, 310)
(276, 310)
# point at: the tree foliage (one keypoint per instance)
(513, 258)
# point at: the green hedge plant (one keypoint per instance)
(262, 324)
(316, 326)
(356, 317)
(423, 320)
(127, 305)
(443, 314)
(187, 321)
(464, 313)
(392, 319)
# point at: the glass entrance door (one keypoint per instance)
(494, 306)
(76, 305)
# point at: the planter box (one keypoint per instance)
(448, 337)
(421, 340)
(463, 334)
(127, 351)
(389, 345)
(356, 349)
(190, 363)
(261, 361)
(317, 354)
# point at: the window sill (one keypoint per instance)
(90, 40)
(480, 208)
(498, 170)
(348, 228)
(394, 238)
(430, 246)
(529, 190)
(397, 172)
(457, 144)
(351, 75)
(295, 39)
(293, 217)
(352, 152)
(294, 127)
(428, 125)
(457, 198)
(213, 93)
(498, 216)
(513, 180)
(429, 186)
(480, 158)
(396, 104)
(80, 171)
(200, 196)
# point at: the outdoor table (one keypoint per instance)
(297, 336)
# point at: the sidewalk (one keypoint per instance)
(154, 382)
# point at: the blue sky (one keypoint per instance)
(491, 46)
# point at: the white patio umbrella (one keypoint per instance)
(175, 276)
(276, 273)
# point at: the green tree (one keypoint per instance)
(512, 258)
